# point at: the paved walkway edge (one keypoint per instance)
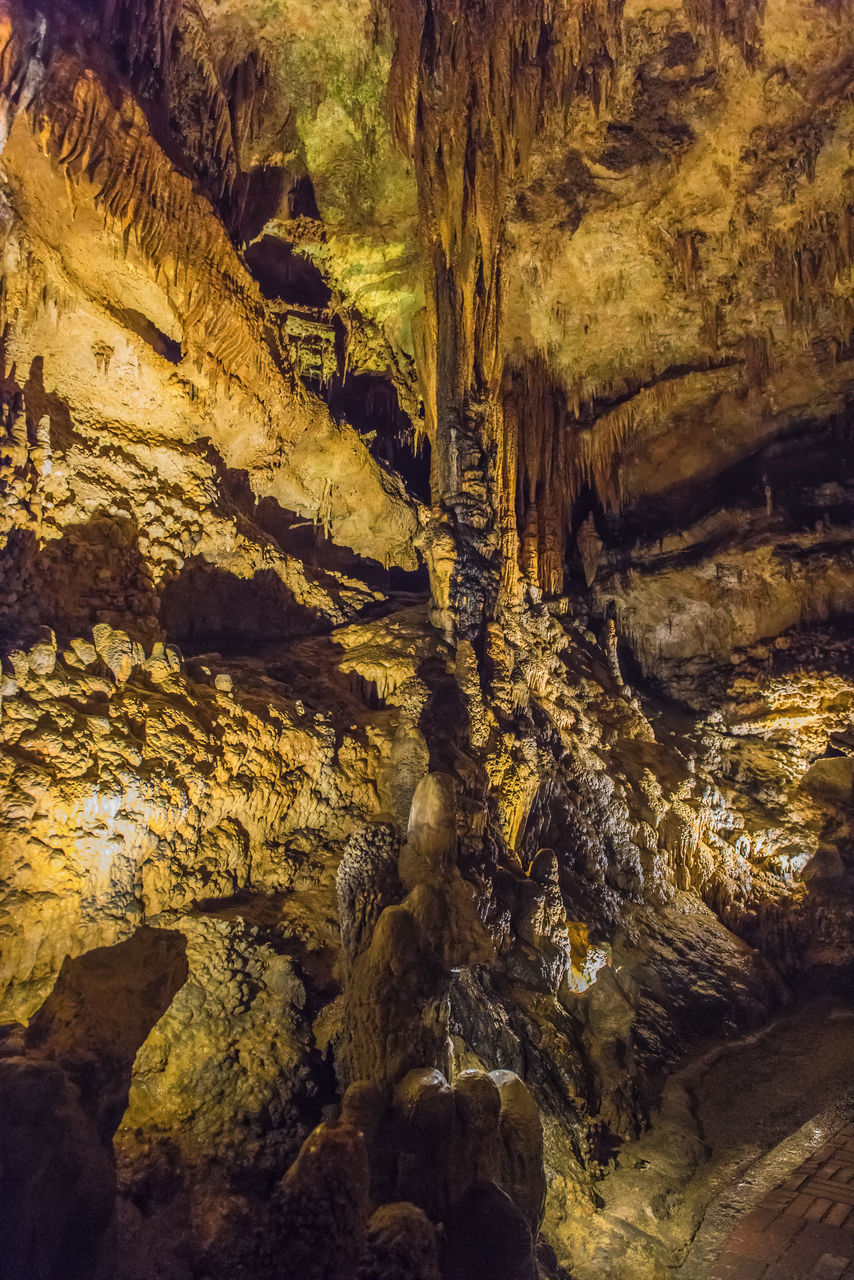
(764, 1176)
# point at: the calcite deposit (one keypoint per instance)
(426, 572)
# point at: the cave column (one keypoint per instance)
(452, 90)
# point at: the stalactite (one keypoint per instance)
(79, 126)
(736, 20)
(758, 354)
(507, 468)
(566, 445)
(684, 248)
(468, 86)
(710, 321)
(247, 84)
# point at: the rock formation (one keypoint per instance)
(427, 695)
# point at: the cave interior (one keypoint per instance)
(426, 651)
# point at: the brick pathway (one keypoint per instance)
(805, 1229)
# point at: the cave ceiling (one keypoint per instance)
(678, 236)
(676, 233)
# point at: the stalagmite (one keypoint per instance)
(431, 837)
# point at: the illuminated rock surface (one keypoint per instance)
(427, 692)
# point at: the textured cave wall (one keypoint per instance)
(109, 320)
(350, 924)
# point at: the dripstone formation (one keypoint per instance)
(427, 687)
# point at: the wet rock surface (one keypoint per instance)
(731, 1128)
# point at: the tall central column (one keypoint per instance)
(470, 84)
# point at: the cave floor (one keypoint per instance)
(778, 1116)
(804, 1227)
(709, 1191)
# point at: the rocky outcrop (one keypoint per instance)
(63, 1091)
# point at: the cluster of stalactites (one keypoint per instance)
(736, 20)
(555, 448)
(470, 82)
(140, 192)
(165, 47)
(21, 40)
(537, 411)
(167, 51)
(103, 140)
(812, 269)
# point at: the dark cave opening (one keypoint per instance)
(204, 607)
(257, 198)
(370, 403)
(285, 275)
(410, 581)
(302, 202)
(802, 477)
